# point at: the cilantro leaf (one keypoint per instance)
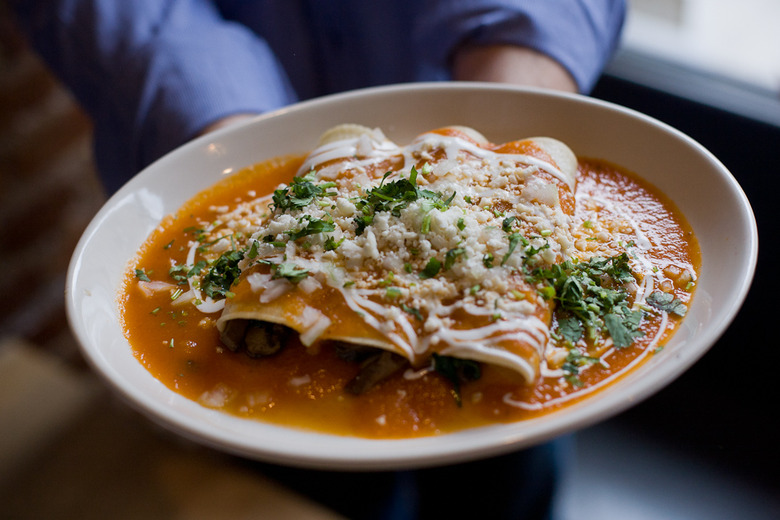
(506, 224)
(222, 274)
(622, 330)
(141, 275)
(299, 193)
(667, 303)
(570, 328)
(451, 256)
(394, 197)
(313, 226)
(573, 364)
(411, 310)
(431, 269)
(331, 244)
(179, 272)
(592, 293)
(290, 271)
(514, 239)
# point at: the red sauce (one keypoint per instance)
(304, 387)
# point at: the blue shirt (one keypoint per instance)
(152, 73)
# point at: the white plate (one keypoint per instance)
(696, 181)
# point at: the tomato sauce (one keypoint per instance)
(303, 387)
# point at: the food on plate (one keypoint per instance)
(381, 290)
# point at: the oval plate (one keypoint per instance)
(694, 179)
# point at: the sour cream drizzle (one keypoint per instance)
(482, 343)
(467, 170)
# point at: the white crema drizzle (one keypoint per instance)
(466, 172)
(463, 160)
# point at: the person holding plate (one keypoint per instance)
(153, 74)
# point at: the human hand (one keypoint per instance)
(511, 64)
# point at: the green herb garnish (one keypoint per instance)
(290, 271)
(514, 239)
(591, 293)
(431, 269)
(667, 303)
(331, 244)
(313, 226)
(451, 256)
(394, 197)
(300, 193)
(222, 274)
(141, 275)
(411, 310)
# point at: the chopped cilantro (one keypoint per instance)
(222, 274)
(591, 293)
(570, 329)
(141, 275)
(411, 310)
(198, 232)
(532, 251)
(313, 226)
(514, 239)
(573, 363)
(361, 222)
(451, 256)
(667, 303)
(506, 224)
(300, 193)
(623, 327)
(290, 271)
(431, 269)
(331, 244)
(270, 239)
(394, 197)
(252, 254)
(179, 273)
(197, 268)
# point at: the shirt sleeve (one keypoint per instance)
(151, 73)
(580, 34)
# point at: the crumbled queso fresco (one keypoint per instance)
(438, 226)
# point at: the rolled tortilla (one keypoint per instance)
(418, 249)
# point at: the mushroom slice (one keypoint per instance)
(256, 338)
(375, 369)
